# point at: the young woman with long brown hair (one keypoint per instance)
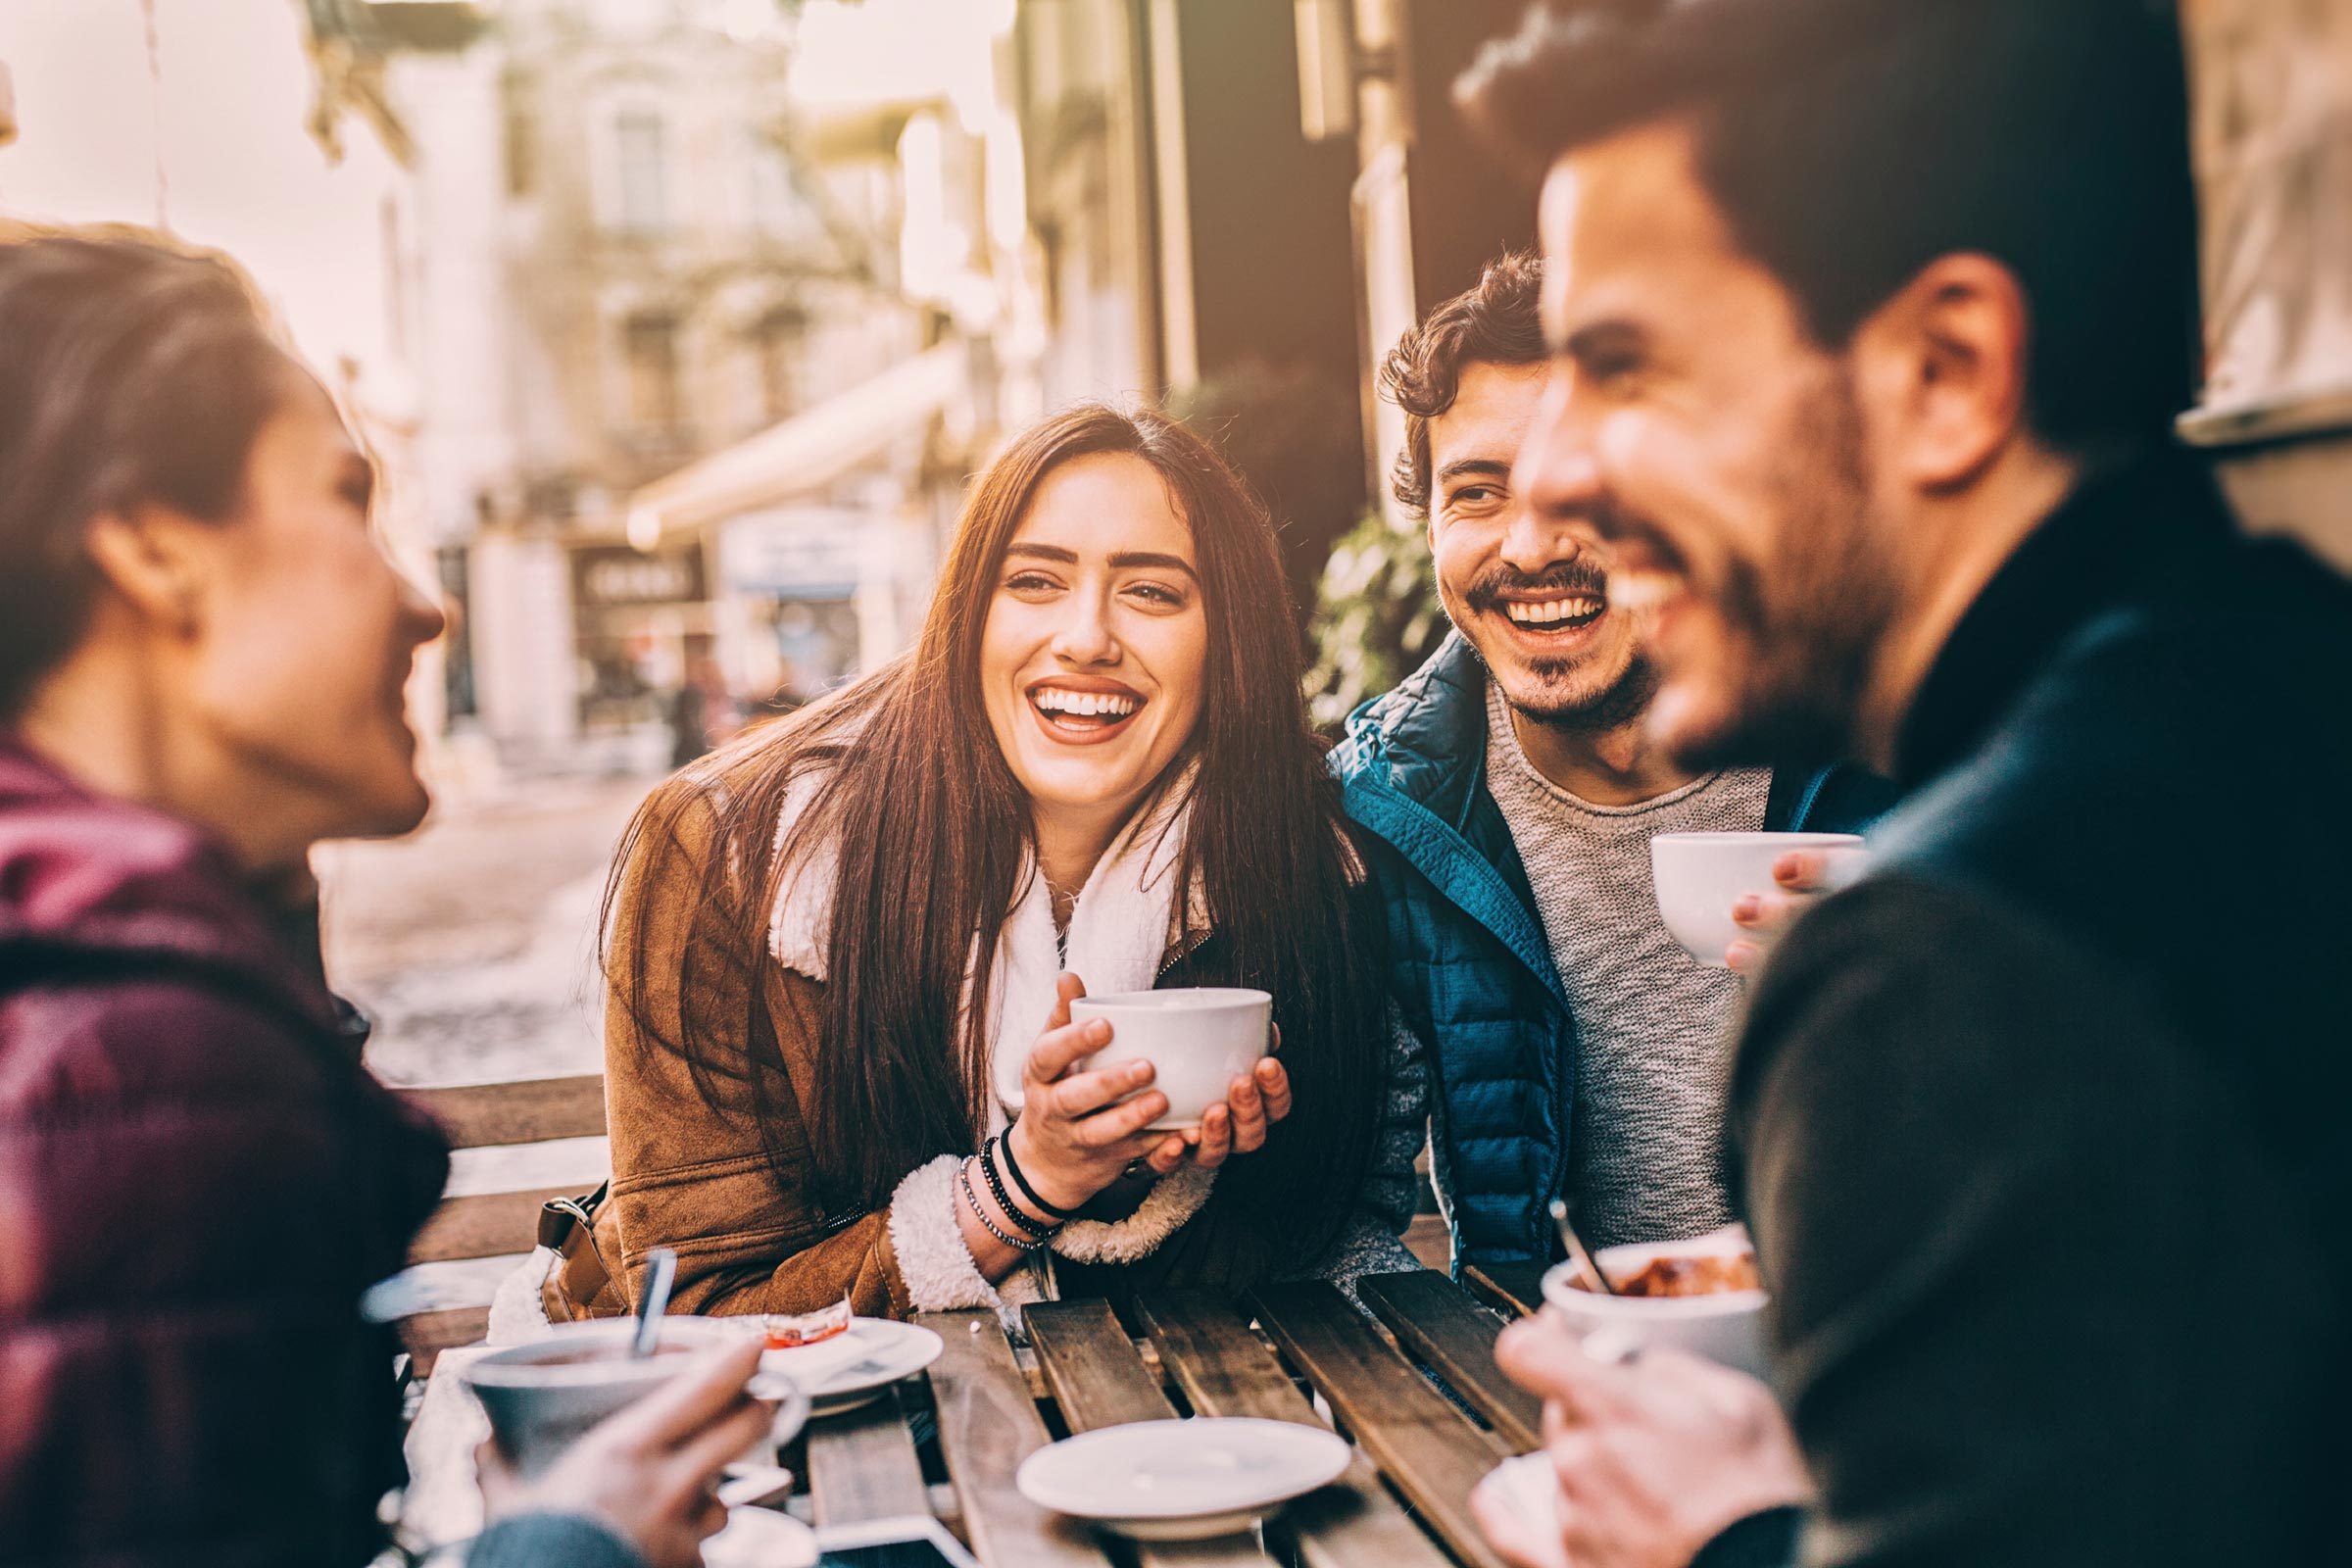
(841, 952)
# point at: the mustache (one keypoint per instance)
(1498, 582)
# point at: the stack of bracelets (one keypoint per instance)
(1037, 1231)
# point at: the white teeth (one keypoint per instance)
(1642, 590)
(1545, 613)
(1084, 704)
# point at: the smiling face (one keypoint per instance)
(1717, 447)
(1528, 589)
(309, 633)
(1094, 655)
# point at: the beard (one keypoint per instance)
(1806, 625)
(1601, 705)
(1600, 710)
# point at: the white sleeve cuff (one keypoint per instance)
(933, 1259)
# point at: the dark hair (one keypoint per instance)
(1495, 322)
(904, 769)
(130, 370)
(1849, 143)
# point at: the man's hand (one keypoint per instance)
(649, 1472)
(1655, 1456)
(1801, 878)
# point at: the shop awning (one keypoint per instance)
(806, 453)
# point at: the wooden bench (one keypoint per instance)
(442, 1300)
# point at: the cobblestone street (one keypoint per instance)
(470, 943)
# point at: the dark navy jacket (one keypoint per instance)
(2041, 1127)
(1470, 964)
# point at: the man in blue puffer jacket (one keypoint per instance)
(1510, 795)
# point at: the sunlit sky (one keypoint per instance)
(241, 172)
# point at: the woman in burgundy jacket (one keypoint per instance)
(202, 655)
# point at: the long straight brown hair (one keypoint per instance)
(903, 772)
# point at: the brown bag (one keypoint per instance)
(580, 1275)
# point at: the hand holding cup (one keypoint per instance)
(1078, 1130)
(650, 1472)
(1801, 878)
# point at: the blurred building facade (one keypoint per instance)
(750, 288)
(719, 302)
(629, 265)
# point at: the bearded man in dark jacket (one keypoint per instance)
(1873, 318)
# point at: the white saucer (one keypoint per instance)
(853, 1369)
(1182, 1480)
(759, 1538)
(1530, 1488)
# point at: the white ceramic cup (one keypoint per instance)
(1701, 876)
(540, 1400)
(1197, 1039)
(1726, 1327)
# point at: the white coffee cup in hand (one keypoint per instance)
(1198, 1039)
(1702, 879)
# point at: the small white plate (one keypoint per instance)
(759, 1538)
(1182, 1480)
(1529, 1487)
(853, 1369)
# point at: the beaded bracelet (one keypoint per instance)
(963, 1174)
(1005, 1141)
(995, 1185)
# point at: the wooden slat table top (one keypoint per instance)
(1449, 1332)
(1100, 1380)
(862, 1466)
(1514, 1289)
(1428, 1449)
(987, 1426)
(1223, 1370)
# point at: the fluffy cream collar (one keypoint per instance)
(1124, 925)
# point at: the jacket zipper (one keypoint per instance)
(1176, 954)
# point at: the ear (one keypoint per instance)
(157, 562)
(1944, 360)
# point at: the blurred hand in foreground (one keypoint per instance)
(649, 1472)
(1801, 878)
(1655, 1456)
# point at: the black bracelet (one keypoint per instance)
(1013, 1212)
(963, 1174)
(1004, 1141)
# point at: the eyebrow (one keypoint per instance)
(1485, 467)
(1124, 560)
(1596, 338)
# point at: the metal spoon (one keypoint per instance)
(1577, 1254)
(662, 1268)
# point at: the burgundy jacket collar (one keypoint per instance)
(85, 874)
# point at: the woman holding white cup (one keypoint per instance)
(840, 1054)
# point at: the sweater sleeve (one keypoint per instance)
(1369, 1241)
(1971, 1153)
(551, 1541)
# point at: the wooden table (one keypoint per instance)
(1404, 1502)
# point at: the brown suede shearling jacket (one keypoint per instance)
(693, 1176)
